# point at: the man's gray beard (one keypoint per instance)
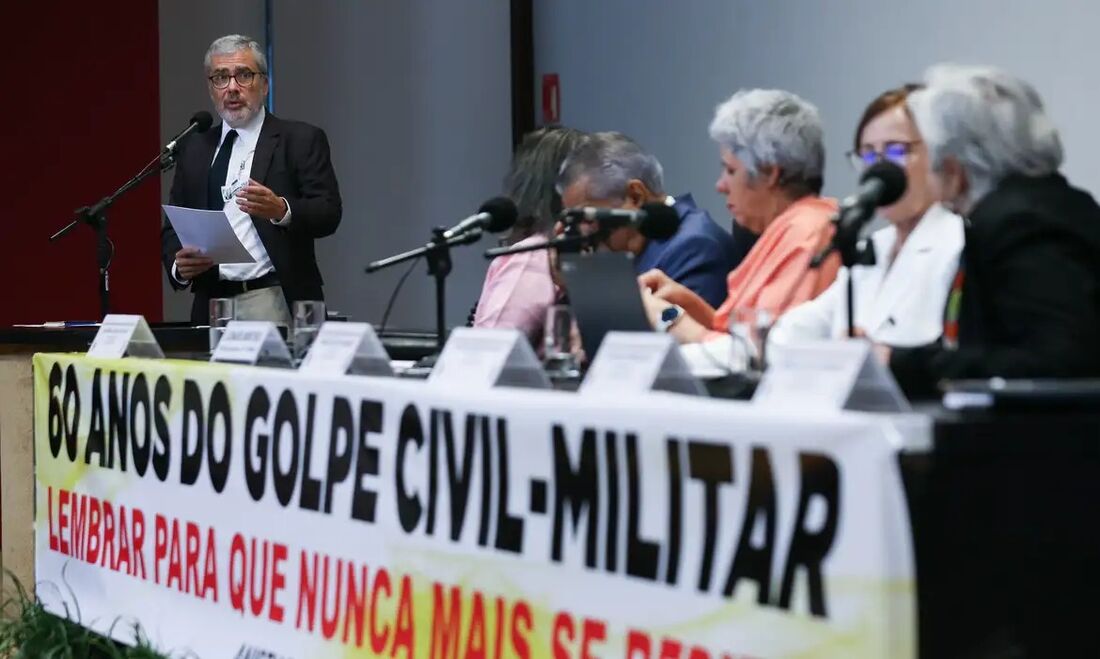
(237, 123)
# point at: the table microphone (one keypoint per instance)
(658, 221)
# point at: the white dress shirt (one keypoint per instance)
(236, 177)
(899, 304)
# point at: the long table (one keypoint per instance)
(955, 534)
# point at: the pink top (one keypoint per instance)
(774, 274)
(517, 291)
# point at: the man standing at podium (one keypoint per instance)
(275, 182)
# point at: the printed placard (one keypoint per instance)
(638, 362)
(254, 342)
(123, 335)
(347, 348)
(829, 375)
(485, 358)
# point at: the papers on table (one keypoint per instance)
(210, 231)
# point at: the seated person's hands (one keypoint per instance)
(685, 330)
(665, 288)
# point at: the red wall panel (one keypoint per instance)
(81, 115)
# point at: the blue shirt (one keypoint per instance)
(700, 255)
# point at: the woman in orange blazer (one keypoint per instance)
(773, 160)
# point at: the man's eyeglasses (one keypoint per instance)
(244, 78)
(896, 152)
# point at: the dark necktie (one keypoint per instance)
(217, 173)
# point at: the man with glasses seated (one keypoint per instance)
(275, 182)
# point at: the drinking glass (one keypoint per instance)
(559, 356)
(222, 310)
(749, 328)
(308, 318)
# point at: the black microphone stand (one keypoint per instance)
(571, 241)
(846, 242)
(438, 254)
(95, 216)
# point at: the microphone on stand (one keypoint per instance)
(96, 214)
(654, 221)
(496, 215)
(881, 185)
(201, 122)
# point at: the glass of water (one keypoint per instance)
(222, 310)
(308, 317)
(558, 354)
(749, 328)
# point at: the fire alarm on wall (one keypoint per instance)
(551, 99)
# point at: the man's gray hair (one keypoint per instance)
(232, 43)
(991, 122)
(608, 161)
(767, 128)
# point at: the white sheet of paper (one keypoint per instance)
(210, 231)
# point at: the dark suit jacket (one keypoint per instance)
(700, 255)
(292, 158)
(1031, 295)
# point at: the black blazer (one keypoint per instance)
(292, 158)
(1031, 295)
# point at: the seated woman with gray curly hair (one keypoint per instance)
(773, 160)
(1025, 302)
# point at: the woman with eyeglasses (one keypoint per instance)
(901, 287)
(1025, 299)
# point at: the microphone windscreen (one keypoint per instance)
(202, 120)
(892, 178)
(502, 214)
(660, 222)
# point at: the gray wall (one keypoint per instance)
(415, 97)
(656, 69)
(186, 30)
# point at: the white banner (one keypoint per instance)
(232, 511)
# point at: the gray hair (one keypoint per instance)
(991, 122)
(609, 161)
(232, 43)
(773, 128)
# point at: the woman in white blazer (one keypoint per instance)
(900, 299)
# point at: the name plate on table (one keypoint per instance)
(122, 335)
(347, 348)
(635, 362)
(254, 342)
(485, 358)
(829, 375)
